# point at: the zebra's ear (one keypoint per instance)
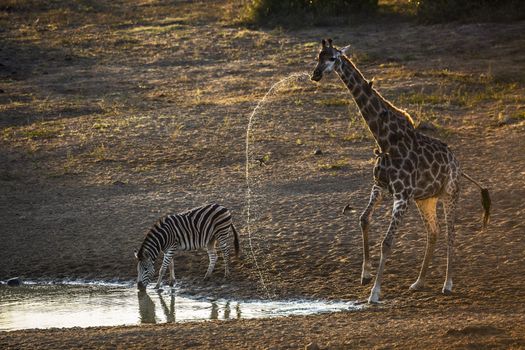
(136, 254)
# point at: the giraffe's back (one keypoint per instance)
(437, 167)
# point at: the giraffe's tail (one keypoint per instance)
(485, 199)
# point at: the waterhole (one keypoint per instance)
(35, 305)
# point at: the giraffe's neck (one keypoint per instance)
(374, 108)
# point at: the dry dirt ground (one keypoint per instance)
(113, 113)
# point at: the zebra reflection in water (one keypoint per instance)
(147, 311)
(147, 308)
(227, 311)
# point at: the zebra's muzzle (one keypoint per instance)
(141, 286)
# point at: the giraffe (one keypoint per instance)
(410, 165)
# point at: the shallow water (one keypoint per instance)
(110, 304)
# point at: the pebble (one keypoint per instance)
(318, 152)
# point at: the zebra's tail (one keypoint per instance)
(485, 199)
(235, 240)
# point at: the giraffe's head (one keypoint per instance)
(145, 270)
(328, 59)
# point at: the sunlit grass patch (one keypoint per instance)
(35, 131)
(99, 153)
(465, 95)
(333, 101)
(336, 165)
(155, 29)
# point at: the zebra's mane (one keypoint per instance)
(160, 223)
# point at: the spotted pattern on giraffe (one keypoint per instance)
(410, 165)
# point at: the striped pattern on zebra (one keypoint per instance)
(194, 229)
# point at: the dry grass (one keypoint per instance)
(113, 113)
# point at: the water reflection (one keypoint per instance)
(218, 310)
(169, 313)
(85, 305)
(146, 308)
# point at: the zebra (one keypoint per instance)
(196, 228)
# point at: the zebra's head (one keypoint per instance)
(145, 270)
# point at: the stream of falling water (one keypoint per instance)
(273, 88)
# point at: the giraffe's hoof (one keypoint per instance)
(373, 299)
(446, 291)
(417, 286)
(366, 280)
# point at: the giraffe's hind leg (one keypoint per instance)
(450, 204)
(364, 221)
(427, 209)
(212, 255)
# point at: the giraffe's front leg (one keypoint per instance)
(400, 207)
(364, 221)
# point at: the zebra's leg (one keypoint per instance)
(449, 205)
(225, 248)
(364, 221)
(427, 209)
(212, 254)
(172, 273)
(165, 262)
(400, 207)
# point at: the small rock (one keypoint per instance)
(118, 183)
(312, 346)
(318, 152)
(14, 282)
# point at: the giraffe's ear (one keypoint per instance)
(345, 50)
